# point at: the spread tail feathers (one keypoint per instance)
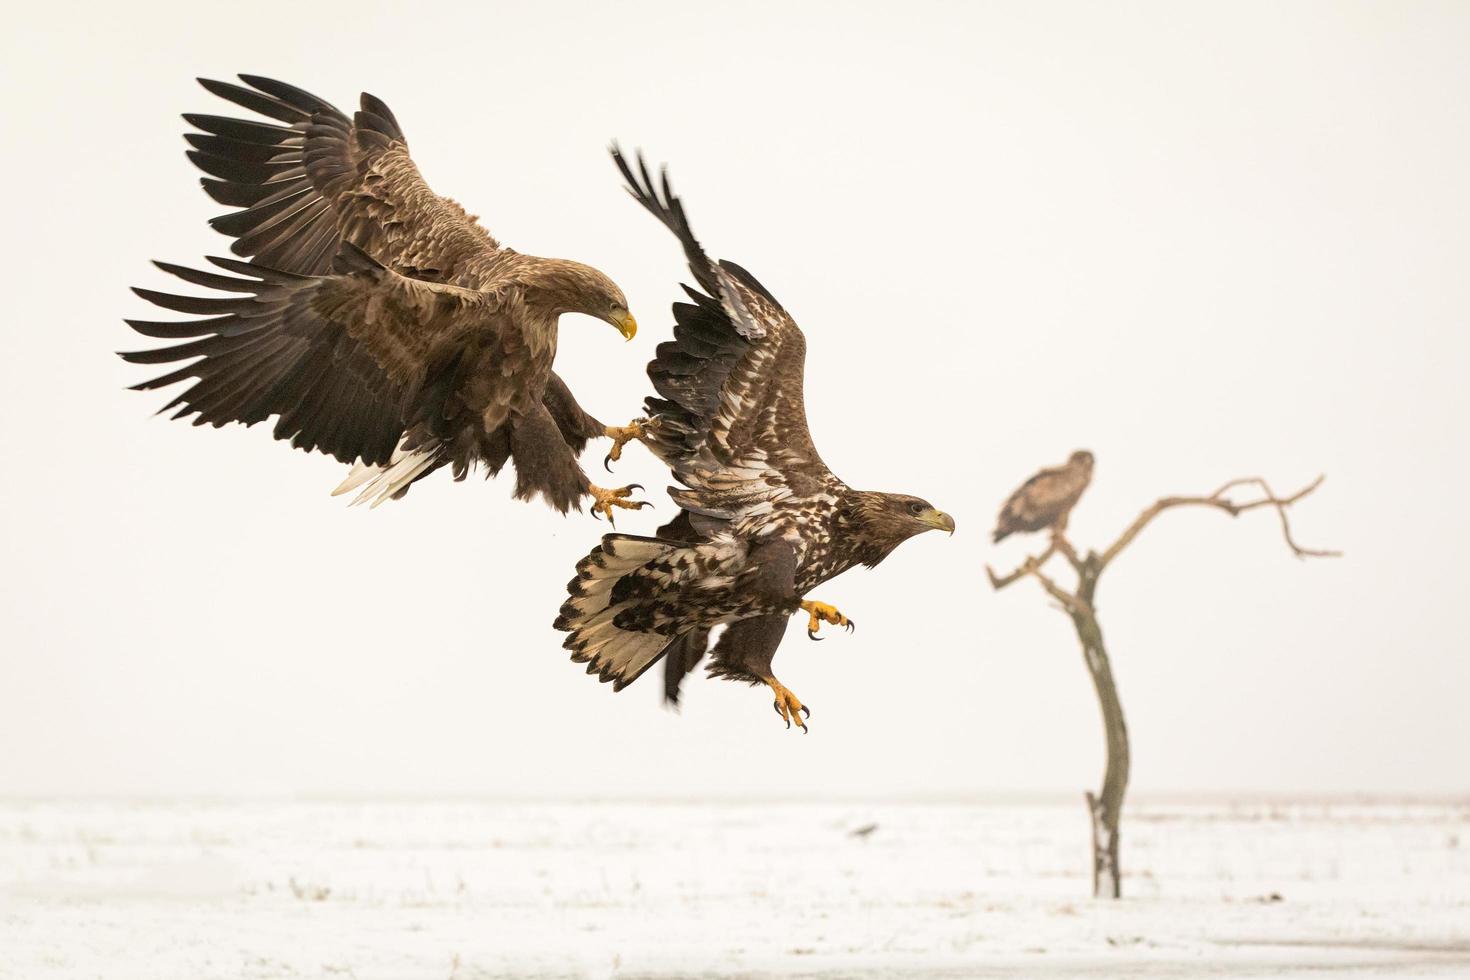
(380, 483)
(592, 609)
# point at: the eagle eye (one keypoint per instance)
(916, 508)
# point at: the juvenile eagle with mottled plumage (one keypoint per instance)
(378, 321)
(763, 520)
(1046, 500)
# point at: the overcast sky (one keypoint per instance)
(1202, 243)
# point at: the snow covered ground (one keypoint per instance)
(456, 891)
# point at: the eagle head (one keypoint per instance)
(914, 515)
(883, 521)
(572, 287)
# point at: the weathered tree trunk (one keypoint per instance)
(1105, 807)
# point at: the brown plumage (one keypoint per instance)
(763, 521)
(1047, 498)
(376, 320)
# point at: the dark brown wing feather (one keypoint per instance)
(729, 384)
(266, 355)
(667, 208)
(408, 325)
(341, 359)
(321, 178)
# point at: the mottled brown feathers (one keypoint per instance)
(1047, 498)
(378, 321)
(763, 520)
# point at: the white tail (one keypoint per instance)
(380, 483)
(614, 654)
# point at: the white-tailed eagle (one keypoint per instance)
(377, 321)
(763, 521)
(1046, 500)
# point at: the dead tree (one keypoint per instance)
(1105, 807)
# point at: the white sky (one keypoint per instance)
(1201, 242)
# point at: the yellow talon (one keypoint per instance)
(788, 705)
(621, 435)
(821, 613)
(604, 500)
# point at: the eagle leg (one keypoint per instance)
(788, 705)
(603, 500)
(621, 435)
(821, 613)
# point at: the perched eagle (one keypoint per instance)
(763, 521)
(377, 321)
(1047, 498)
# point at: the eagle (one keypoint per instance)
(762, 520)
(379, 322)
(1046, 500)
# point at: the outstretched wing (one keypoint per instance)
(314, 177)
(729, 385)
(310, 183)
(342, 359)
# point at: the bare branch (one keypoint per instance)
(1032, 566)
(1105, 807)
(1219, 501)
(1060, 543)
(1069, 602)
(1026, 567)
(1281, 504)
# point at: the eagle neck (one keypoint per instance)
(862, 530)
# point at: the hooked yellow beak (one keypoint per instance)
(938, 520)
(627, 326)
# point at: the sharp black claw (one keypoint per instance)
(812, 635)
(806, 711)
(851, 626)
(776, 706)
(644, 503)
(633, 486)
(607, 462)
(595, 514)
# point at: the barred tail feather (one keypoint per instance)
(615, 655)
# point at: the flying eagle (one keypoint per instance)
(763, 521)
(1045, 500)
(377, 321)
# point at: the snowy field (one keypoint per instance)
(455, 891)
